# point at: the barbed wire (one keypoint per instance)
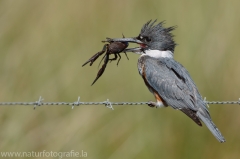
(107, 103)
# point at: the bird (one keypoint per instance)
(168, 80)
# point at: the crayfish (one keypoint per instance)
(114, 48)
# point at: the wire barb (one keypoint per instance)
(108, 104)
(38, 103)
(205, 100)
(77, 103)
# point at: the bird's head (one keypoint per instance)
(156, 37)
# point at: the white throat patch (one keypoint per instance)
(158, 53)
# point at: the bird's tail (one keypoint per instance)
(211, 126)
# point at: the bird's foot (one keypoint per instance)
(152, 104)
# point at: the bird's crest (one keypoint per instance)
(160, 38)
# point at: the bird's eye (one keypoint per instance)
(144, 38)
(148, 39)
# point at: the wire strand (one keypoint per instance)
(107, 103)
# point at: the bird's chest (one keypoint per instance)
(140, 65)
(142, 71)
(154, 55)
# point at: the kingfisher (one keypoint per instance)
(166, 79)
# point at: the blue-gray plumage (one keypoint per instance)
(174, 85)
(167, 79)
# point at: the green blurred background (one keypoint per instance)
(44, 43)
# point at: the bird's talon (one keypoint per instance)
(151, 104)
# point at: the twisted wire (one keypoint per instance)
(107, 103)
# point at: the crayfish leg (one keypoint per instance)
(113, 59)
(95, 56)
(119, 58)
(126, 55)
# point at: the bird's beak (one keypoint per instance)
(133, 40)
(137, 50)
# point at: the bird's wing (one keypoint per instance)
(175, 86)
(173, 83)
